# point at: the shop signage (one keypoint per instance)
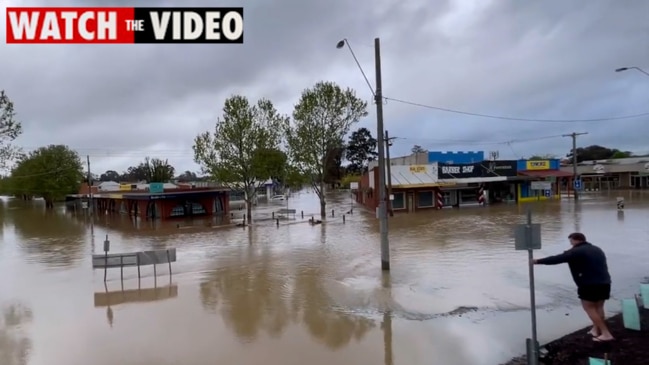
(156, 188)
(417, 169)
(125, 187)
(463, 171)
(599, 169)
(541, 185)
(499, 168)
(538, 165)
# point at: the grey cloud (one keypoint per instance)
(551, 59)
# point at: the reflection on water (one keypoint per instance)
(386, 325)
(14, 343)
(270, 301)
(46, 236)
(110, 299)
(298, 293)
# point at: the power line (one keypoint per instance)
(170, 153)
(480, 142)
(448, 110)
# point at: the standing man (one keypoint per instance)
(589, 270)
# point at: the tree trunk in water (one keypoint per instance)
(248, 212)
(49, 204)
(323, 202)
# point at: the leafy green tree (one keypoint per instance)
(621, 154)
(5, 185)
(596, 152)
(294, 178)
(10, 129)
(418, 149)
(240, 154)
(157, 170)
(110, 175)
(187, 176)
(542, 157)
(50, 172)
(134, 174)
(334, 171)
(321, 119)
(361, 149)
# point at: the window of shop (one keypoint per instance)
(399, 201)
(425, 199)
(468, 196)
(218, 205)
(178, 211)
(596, 183)
(639, 181)
(449, 197)
(500, 192)
(152, 210)
(236, 195)
(188, 209)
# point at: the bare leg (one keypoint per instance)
(592, 311)
(595, 332)
(600, 309)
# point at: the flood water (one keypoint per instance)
(301, 294)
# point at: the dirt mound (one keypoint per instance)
(629, 348)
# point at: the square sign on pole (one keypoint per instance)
(527, 237)
(577, 184)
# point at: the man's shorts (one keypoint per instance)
(594, 293)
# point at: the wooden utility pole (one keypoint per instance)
(90, 202)
(383, 216)
(575, 176)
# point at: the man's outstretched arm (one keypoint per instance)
(555, 260)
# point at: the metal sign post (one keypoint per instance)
(528, 237)
(106, 249)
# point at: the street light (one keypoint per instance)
(621, 69)
(378, 100)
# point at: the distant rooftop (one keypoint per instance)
(617, 161)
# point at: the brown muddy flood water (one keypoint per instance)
(301, 294)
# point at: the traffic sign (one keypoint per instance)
(548, 193)
(577, 184)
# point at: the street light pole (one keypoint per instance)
(621, 69)
(378, 99)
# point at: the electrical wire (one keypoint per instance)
(480, 115)
(448, 110)
(482, 142)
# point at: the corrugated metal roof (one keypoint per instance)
(416, 175)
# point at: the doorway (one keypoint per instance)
(640, 182)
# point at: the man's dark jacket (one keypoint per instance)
(587, 264)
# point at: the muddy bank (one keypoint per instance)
(629, 348)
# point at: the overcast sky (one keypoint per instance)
(525, 59)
